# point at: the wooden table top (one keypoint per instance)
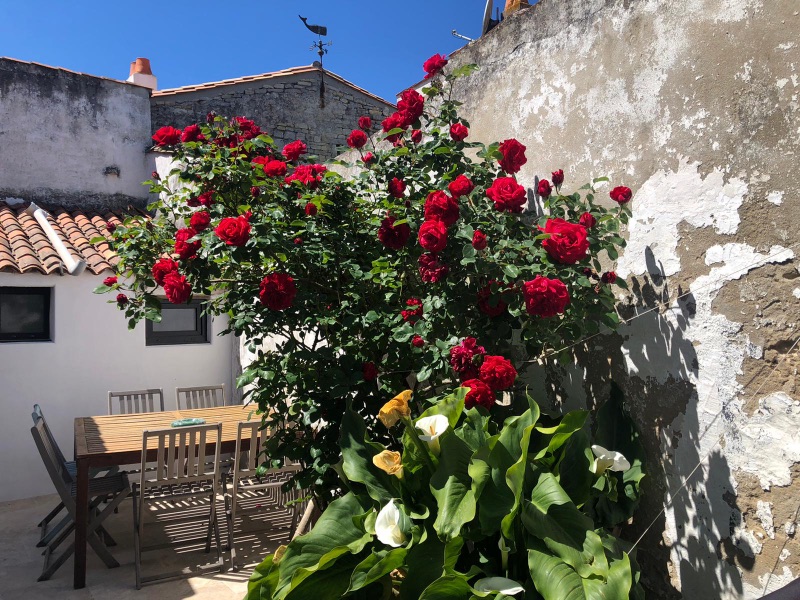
(117, 439)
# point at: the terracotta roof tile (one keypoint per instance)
(24, 246)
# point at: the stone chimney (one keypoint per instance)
(142, 75)
(515, 5)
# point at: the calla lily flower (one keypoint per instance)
(509, 587)
(608, 459)
(390, 462)
(388, 525)
(396, 409)
(432, 427)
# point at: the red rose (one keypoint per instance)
(545, 297)
(433, 235)
(255, 191)
(466, 356)
(309, 175)
(434, 65)
(369, 371)
(497, 372)
(513, 156)
(458, 132)
(567, 243)
(122, 300)
(365, 123)
(311, 209)
(479, 394)
(167, 136)
(155, 175)
(273, 167)
(277, 291)
(393, 236)
(111, 227)
(368, 158)
(441, 207)
(162, 268)
(200, 221)
(176, 288)
(489, 303)
(396, 120)
(415, 312)
(587, 220)
(298, 241)
(248, 128)
(109, 281)
(397, 188)
(357, 139)
(416, 136)
(430, 269)
(234, 231)
(204, 199)
(192, 134)
(417, 341)
(412, 103)
(608, 277)
(461, 186)
(621, 194)
(558, 177)
(210, 116)
(544, 188)
(294, 150)
(507, 195)
(186, 250)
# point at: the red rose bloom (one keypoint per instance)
(255, 191)
(393, 236)
(176, 288)
(311, 209)
(369, 371)
(513, 156)
(466, 357)
(234, 231)
(162, 268)
(567, 243)
(479, 394)
(186, 250)
(558, 177)
(111, 227)
(294, 150)
(608, 277)
(204, 199)
(277, 291)
(122, 300)
(309, 175)
(430, 269)
(489, 303)
(274, 168)
(621, 194)
(298, 241)
(365, 123)
(434, 65)
(200, 221)
(396, 120)
(412, 103)
(414, 312)
(417, 341)
(441, 207)
(545, 297)
(544, 188)
(167, 136)
(109, 281)
(368, 158)
(433, 235)
(192, 134)
(397, 188)
(357, 139)
(458, 132)
(497, 372)
(248, 129)
(587, 220)
(416, 136)
(479, 240)
(507, 195)
(461, 186)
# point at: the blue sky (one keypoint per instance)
(379, 45)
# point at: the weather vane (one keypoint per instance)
(319, 46)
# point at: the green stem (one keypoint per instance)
(421, 446)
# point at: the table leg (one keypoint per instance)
(81, 522)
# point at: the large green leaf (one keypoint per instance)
(375, 566)
(425, 563)
(449, 587)
(559, 434)
(574, 470)
(329, 584)
(451, 485)
(474, 430)
(517, 476)
(357, 453)
(263, 581)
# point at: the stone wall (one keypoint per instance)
(286, 107)
(694, 105)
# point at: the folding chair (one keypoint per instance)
(113, 488)
(253, 491)
(137, 401)
(181, 472)
(200, 397)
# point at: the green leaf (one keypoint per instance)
(263, 581)
(375, 566)
(357, 453)
(451, 485)
(511, 271)
(449, 587)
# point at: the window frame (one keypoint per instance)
(200, 334)
(42, 291)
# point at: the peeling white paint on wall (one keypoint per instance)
(775, 197)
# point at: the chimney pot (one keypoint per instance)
(515, 5)
(141, 65)
(141, 74)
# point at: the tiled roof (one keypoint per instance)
(24, 247)
(273, 75)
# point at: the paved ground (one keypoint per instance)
(21, 561)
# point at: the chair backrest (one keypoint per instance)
(137, 401)
(180, 455)
(37, 415)
(246, 461)
(200, 397)
(56, 468)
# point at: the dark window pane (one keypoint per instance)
(22, 313)
(177, 319)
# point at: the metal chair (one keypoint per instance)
(181, 472)
(254, 491)
(137, 401)
(200, 397)
(113, 488)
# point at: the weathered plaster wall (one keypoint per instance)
(71, 138)
(694, 105)
(288, 108)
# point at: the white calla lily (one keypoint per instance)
(608, 459)
(509, 587)
(432, 427)
(389, 526)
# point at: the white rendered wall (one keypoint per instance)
(92, 352)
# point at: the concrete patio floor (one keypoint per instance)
(21, 561)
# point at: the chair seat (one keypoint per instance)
(104, 486)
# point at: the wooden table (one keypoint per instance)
(117, 440)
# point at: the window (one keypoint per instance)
(25, 314)
(180, 324)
